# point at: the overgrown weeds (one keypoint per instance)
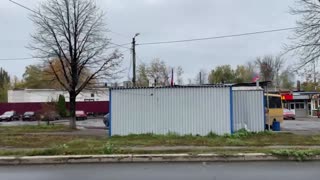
(299, 155)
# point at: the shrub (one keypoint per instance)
(61, 106)
(212, 135)
(299, 155)
(109, 148)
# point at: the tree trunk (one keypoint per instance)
(72, 98)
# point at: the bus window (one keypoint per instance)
(274, 102)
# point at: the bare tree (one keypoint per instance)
(201, 77)
(179, 73)
(142, 79)
(159, 72)
(306, 39)
(269, 67)
(74, 32)
(286, 79)
(278, 64)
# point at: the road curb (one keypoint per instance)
(136, 158)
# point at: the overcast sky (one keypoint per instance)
(161, 20)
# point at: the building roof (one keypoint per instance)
(176, 86)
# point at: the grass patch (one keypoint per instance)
(72, 144)
(34, 141)
(298, 154)
(111, 149)
(240, 138)
(33, 129)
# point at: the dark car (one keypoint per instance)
(106, 120)
(9, 116)
(287, 114)
(29, 116)
(81, 115)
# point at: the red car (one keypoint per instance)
(287, 114)
(81, 115)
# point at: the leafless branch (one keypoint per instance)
(306, 39)
(73, 33)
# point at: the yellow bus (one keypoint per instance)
(275, 110)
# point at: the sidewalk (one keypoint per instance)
(145, 158)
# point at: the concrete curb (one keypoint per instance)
(136, 158)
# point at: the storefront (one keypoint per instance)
(298, 102)
(302, 103)
(315, 104)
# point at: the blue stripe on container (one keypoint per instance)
(110, 115)
(231, 110)
(264, 109)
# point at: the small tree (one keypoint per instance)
(222, 74)
(61, 106)
(73, 34)
(46, 112)
(4, 85)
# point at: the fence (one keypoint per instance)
(97, 107)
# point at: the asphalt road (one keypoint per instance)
(167, 171)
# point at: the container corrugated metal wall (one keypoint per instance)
(248, 110)
(183, 110)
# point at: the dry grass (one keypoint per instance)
(33, 129)
(20, 137)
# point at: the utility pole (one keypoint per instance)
(134, 59)
(200, 78)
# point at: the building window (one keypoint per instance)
(300, 106)
(92, 95)
(89, 100)
(291, 106)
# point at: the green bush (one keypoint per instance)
(109, 148)
(212, 135)
(61, 106)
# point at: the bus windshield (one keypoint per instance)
(274, 102)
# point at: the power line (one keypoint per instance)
(31, 58)
(217, 37)
(121, 45)
(20, 58)
(29, 9)
(25, 7)
(120, 34)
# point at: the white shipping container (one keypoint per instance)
(195, 110)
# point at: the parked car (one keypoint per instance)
(9, 116)
(287, 114)
(29, 116)
(106, 120)
(81, 115)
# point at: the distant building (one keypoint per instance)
(47, 95)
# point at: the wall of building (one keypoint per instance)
(182, 110)
(47, 95)
(97, 107)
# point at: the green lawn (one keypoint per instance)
(33, 140)
(33, 129)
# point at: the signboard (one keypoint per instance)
(287, 97)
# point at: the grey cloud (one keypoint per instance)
(161, 20)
